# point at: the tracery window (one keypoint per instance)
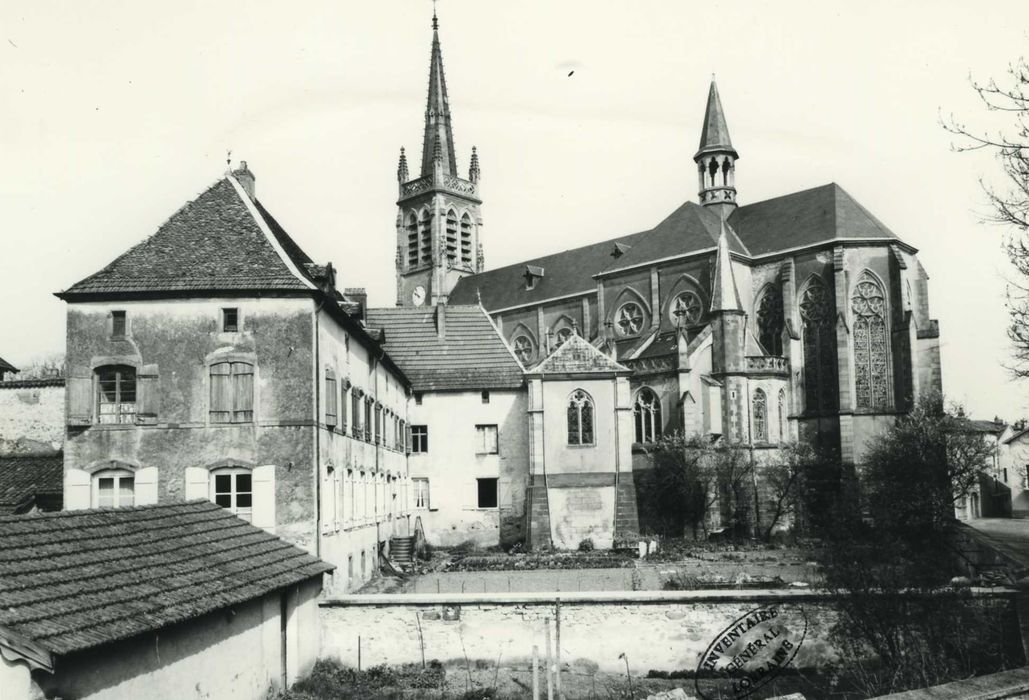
(562, 336)
(524, 348)
(580, 418)
(759, 410)
(629, 318)
(686, 309)
(817, 314)
(783, 430)
(871, 355)
(647, 411)
(770, 320)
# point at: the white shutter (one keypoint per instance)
(328, 504)
(77, 485)
(264, 497)
(503, 494)
(146, 486)
(337, 499)
(197, 484)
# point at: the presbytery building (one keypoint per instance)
(216, 360)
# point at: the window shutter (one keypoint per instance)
(197, 484)
(328, 505)
(337, 495)
(80, 400)
(146, 486)
(330, 401)
(503, 494)
(77, 486)
(221, 393)
(407, 439)
(243, 392)
(264, 497)
(149, 395)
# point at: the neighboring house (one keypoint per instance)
(990, 498)
(31, 483)
(6, 368)
(31, 416)
(169, 601)
(1014, 469)
(216, 360)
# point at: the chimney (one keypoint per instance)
(441, 321)
(245, 178)
(359, 297)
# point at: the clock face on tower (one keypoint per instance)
(418, 295)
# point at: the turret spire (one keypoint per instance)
(402, 174)
(437, 112)
(716, 158)
(473, 169)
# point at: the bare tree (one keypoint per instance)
(1009, 201)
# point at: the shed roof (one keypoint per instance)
(468, 353)
(80, 579)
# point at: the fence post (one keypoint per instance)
(557, 649)
(535, 672)
(550, 668)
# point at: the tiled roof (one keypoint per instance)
(27, 480)
(782, 223)
(6, 366)
(31, 383)
(981, 426)
(79, 579)
(469, 355)
(212, 243)
(577, 356)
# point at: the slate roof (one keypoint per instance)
(79, 579)
(803, 218)
(6, 366)
(31, 480)
(212, 243)
(470, 355)
(578, 356)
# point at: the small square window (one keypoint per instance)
(230, 320)
(487, 493)
(118, 324)
(485, 397)
(486, 439)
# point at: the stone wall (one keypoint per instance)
(31, 416)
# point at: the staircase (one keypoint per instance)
(401, 551)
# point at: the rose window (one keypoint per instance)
(523, 348)
(630, 318)
(686, 309)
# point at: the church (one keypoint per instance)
(217, 360)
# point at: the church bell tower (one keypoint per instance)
(438, 213)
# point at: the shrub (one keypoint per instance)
(586, 545)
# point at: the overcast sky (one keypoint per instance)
(114, 114)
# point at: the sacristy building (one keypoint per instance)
(217, 360)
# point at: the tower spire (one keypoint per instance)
(437, 111)
(724, 295)
(716, 158)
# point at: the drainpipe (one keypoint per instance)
(317, 436)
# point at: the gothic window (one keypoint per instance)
(466, 239)
(524, 348)
(411, 227)
(783, 430)
(817, 314)
(770, 320)
(562, 336)
(871, 356)
(580, 418)
(451, 236)
(686, 309)
(759, 409)
(629, 318)
(425, 236)
(647, 411)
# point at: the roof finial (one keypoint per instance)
(435, 22)
(228, 158)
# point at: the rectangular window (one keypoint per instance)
(419, 438)
(116, 394)
(487, 493)
(418, 399)
(118, 324)
(421, 493)
(234, 490)
(486, 439)
(115, 490)
(330, 399)
(355, 411)
(230, 320)
(343, 406)
(232, 392)
(485, 397)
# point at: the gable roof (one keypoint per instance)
(31, 480)
(221, 241)
(813, 216)
(79, 579)
(469, 354)
(578, 356)
(6, 366)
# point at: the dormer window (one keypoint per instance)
(533, 273)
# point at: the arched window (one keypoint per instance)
(871, 354)
(629, 318)
(770, 320)
(524, 347)
(411, 227)
(116, 394)
(580, 418)
(817, 314)
(466, 239)
(647, 411)
(232, 488)
(783, 429)
(686, 309)
(232, 392)
(759, 410)
(114, 488)
(451, 236)
(561, 331)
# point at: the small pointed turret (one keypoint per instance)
(724, 295)
(402, 174)
(473, 169)
(437, 113)
(716, 158)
